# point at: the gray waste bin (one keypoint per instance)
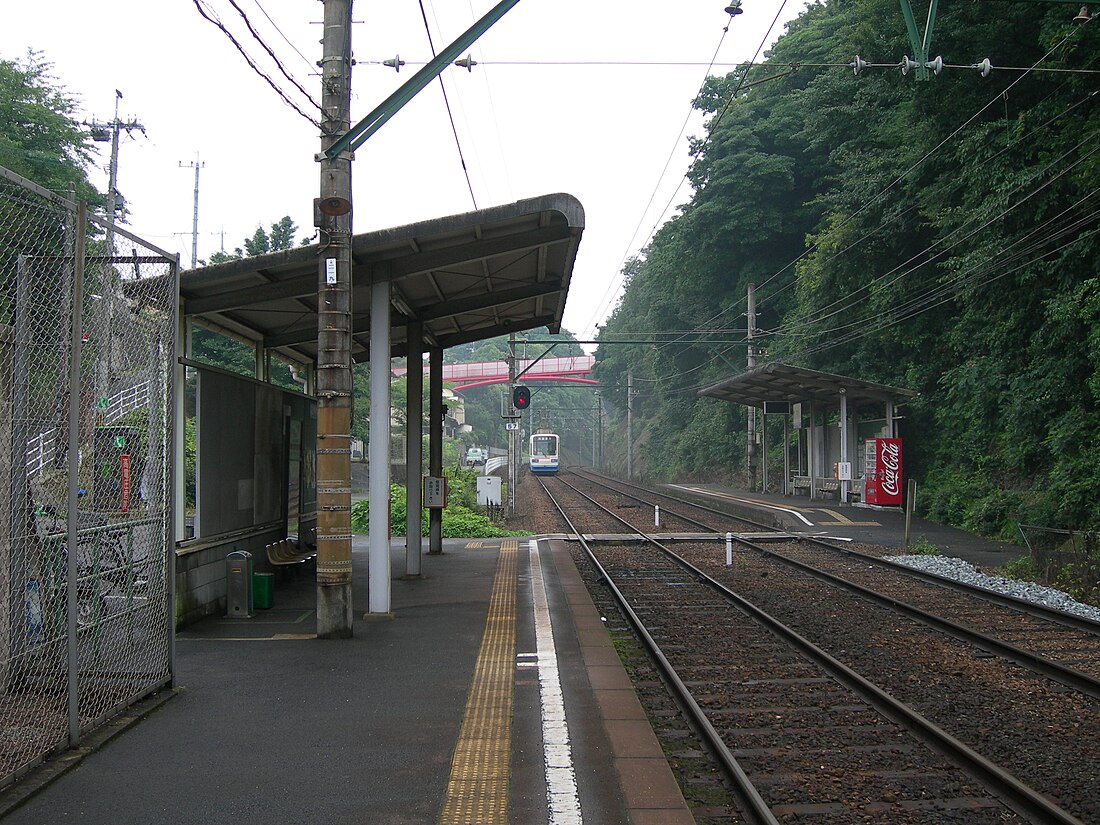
(238, 584)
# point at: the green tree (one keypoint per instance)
(40, 137)
(279, 238)
(937, 235)
(234, 355)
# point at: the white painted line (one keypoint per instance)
(561, 781)
(752, 501)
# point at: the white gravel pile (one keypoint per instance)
(964, 571)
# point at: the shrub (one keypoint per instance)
(1021, 569)
(923, 547)
(459, 520)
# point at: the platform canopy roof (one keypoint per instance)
(783, 382)
(464, 277)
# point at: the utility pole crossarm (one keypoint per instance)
(358, 134)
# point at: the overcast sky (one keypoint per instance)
(527, 124)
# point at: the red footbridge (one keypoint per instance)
(571, 369)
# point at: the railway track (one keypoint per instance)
(813, 737)
(1053, 643)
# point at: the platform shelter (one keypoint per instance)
(832, 415)
(443, 282)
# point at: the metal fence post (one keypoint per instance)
(71, 572)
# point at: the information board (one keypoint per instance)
(435, 492)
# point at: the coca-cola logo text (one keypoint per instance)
(889, 460)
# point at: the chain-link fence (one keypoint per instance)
(1067, 559)
(87, 324)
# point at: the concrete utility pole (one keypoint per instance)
(599, 430)
(105, 322)
(332, 217)
(196, 165)
(102, 132)
(750, 412)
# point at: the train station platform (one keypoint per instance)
(491, 694)
(871, 525)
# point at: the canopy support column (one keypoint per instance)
(844, 484)
(435, 444)
(378, 590)
(414, 414)
(811, 450)
(763, 451)
(786, 458)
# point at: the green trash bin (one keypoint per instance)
(263, 590)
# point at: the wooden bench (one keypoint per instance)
(822, 485)
(287, 552)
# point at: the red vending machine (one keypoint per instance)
(882, 479)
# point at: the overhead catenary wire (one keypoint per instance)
(892, 185)
(504, 167)
(881, 227)
(795, 65)
(447, 103)
(975, 277)
(923, 158)
(844, 303)
(1037, 236)
(864, 330)
(617, 278)
(942, 300)
(1016, 142)
(714, 125)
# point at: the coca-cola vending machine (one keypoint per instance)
(882, 480)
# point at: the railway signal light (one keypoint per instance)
(521, 397)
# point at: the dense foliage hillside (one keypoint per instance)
(935, 235)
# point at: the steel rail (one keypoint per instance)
(1063, 674)
(1016, 794)
(745, 791)
(1039, 611)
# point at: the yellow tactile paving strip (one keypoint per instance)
(477, 790)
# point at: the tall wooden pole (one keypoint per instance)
(332, 215)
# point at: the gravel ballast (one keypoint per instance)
(964, 571)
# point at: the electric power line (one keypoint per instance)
(206, 15)
(617, 277)
(271, 54)
(275, 26)
(704, 144)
